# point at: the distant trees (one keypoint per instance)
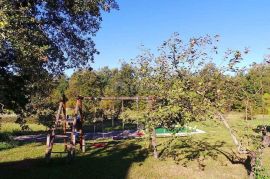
(266, 102)
(252, 86)
(103, 82)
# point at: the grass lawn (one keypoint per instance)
(10, 129)
(15, 128)
(198, 156)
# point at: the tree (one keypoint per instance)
(266, 101)
(170, 78)
(84, 83)
(39, 39)
(121, 82)
(184, 84)
(250, 86)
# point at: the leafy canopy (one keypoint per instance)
(41, 38)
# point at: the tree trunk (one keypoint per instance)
(149, 139)
(154, 143)
(250, 161)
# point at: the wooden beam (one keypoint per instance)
(118, 98)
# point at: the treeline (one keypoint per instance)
(182, 76)
(247, 91)
(97, 83)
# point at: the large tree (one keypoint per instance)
(41, 38)
(170, 78)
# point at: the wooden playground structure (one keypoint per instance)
(71, 129)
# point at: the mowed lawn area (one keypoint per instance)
(199, 156)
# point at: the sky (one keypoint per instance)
(240, 23)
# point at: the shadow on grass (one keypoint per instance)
(112, 161)
(192, 150)
(259, 128)
(199, 150)
(7, 140)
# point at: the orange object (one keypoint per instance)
(99, 145)
(140, 134)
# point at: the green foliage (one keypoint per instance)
(172, 78)
(259, 171)
(103, 82)
(84, 83)
(133, 116)
(123, 82)
(251, 86)
(39, 40)
(59, 89)
(46, 117)
(266, 102)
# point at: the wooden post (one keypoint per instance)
(137, 107)
(48, 151)
(78, 111)
(122, 109)
(102, 129)
(78, 108)
(71, 147)
(51, 136)
(73, 140)
(64, 121)
(113, 115)
(49, 146)
(81, 139)
(48, 140)
(83, 144)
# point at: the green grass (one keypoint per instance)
(14, 127)
(9, 129)
(199, 156)
(112, 161)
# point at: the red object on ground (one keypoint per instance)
(99, 145)
(140, 134)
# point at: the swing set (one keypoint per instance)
(71, 129)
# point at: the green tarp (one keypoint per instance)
(162, 130)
